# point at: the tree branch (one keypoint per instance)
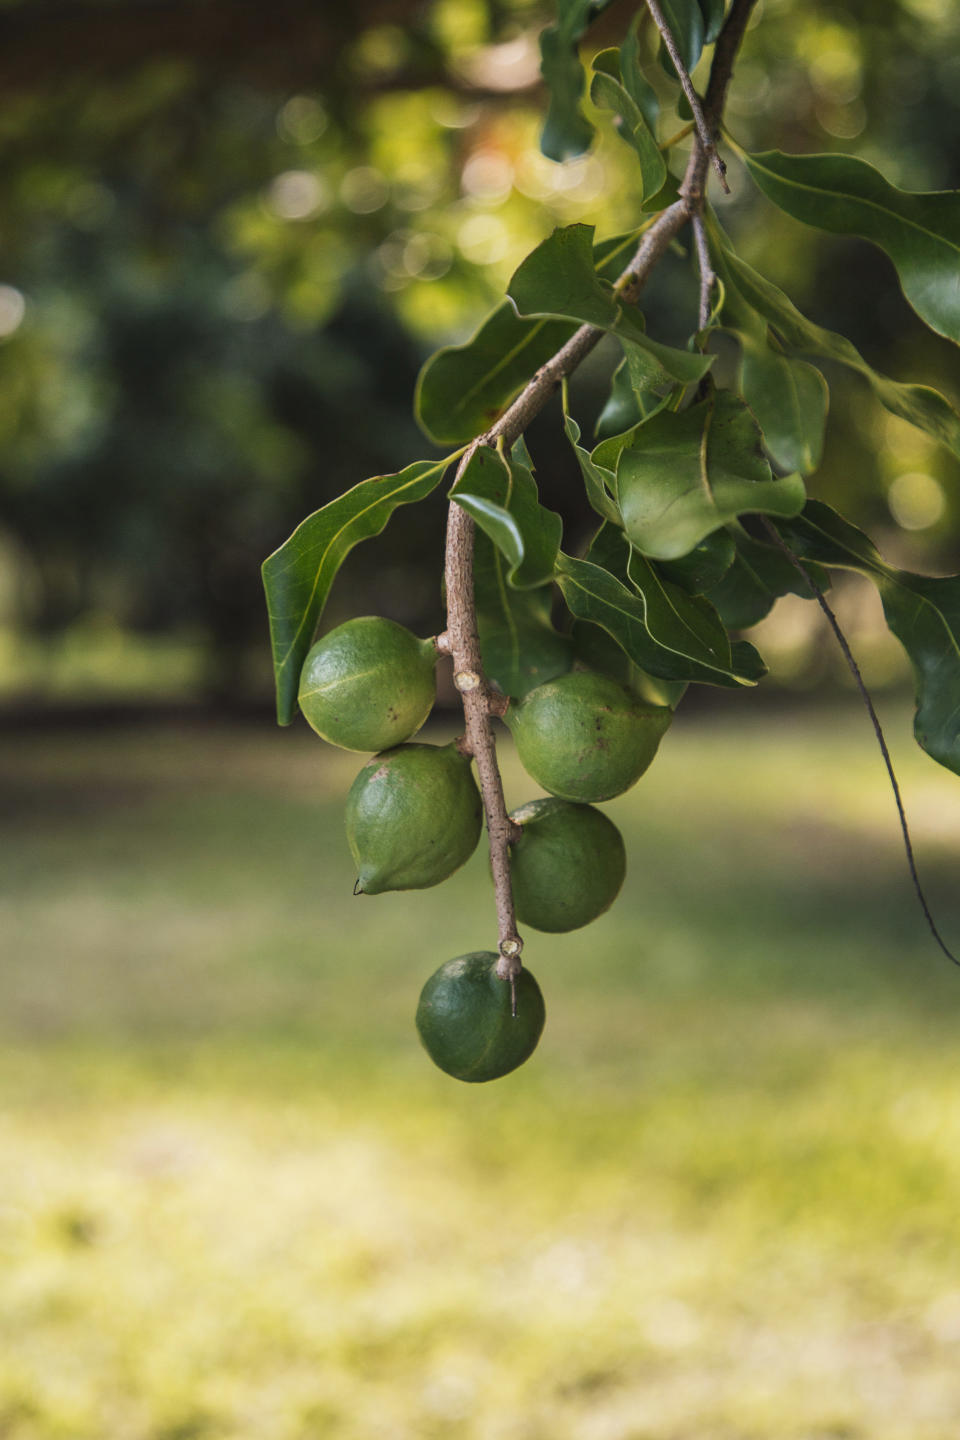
(707, 277)
(480, 703)
(707, 138)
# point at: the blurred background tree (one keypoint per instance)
(231, 233)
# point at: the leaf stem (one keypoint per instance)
(678, 135)
(460, 639)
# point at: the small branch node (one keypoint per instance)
(443, 644)
(514, 833)
(466, 680)
(498, 704)
(510, 966)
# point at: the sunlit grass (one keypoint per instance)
(236, 1200)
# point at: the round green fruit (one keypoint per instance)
(584, 737)
(568, 865)
(369, 684)
(466, 1022)
(413, 817)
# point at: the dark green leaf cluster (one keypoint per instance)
(675, 565)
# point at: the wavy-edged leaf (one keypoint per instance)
(559, 278)
(609, 93)
(607, 453)
(653, 366)
(519, 646)
(918, 230)
(622, 409)
(685, 475)
(598, 650)
(597, 481)
(566, 130)
(759, 575)
(918, 404)
(789, 399)
(637, 86)
(627, 406)
(297, 577)
(704, 566)
(463, 389)
(713, 17)
(664, 631)
(502, 497)
(685, 21)
(923, 612)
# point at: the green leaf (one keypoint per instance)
(653, 366)
(919, 231)
(502, 497)
(661, 629)
(705, 565)
(685, 22)
(759, 575)
(462, 389)
(685, 475)
(597, 481)
(639, 89)
(297, 577)
(921, 610)
(623, 405)
(713, 17)
(789, 399)
(674, 613)
(566, 131)
(558, 278)
(607, 453)
(598, 650)
(626, 407)
(918, 404)
(608, 93)
(519, 646)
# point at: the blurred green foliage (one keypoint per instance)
(217, 285)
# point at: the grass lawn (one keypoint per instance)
(722, 1202)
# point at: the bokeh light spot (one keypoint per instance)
(13, 307)
(916, 500)
(302, 120)
(297, 195)
(482, 239)
(364, 190)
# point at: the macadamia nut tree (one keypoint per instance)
(701, 507)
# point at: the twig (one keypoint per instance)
(460, 638)
(865, 696)
(707, 138)
(707, 277)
